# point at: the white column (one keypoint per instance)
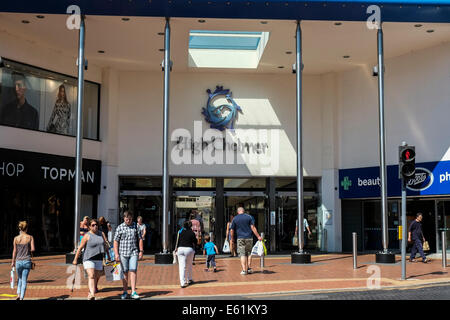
(331, 204)
(108, 202)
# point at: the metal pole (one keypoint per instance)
(165, 182)
(298, 69)
(79, 146)
(382, 140)
(444, 250)
(262, 257)
(355, 250)
(404, 237)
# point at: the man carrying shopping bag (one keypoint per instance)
(244, 225)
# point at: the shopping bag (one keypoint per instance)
(12, 278)
(109, 269)
(426, 246)
(258, 249)
(295, 241)
(175, 258)
(117, 273)
(264, 246)
(226, 247)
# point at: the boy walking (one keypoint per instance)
(210, 249)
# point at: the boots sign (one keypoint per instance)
(31, 170)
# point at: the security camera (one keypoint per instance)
(294, 68)
(170, 64)
(375, 71)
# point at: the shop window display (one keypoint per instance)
(37, 99)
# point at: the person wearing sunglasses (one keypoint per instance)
(95, 245)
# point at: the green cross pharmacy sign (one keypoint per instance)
(346, 183)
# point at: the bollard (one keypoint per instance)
(355, 250)
(262, 257)
(444, 250)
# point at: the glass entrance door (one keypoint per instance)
(255, 204)
(202, 203)
(287, 216)
(443, 222)
(149, 208)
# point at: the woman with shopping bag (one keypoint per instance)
(185, 252)
(95, 244)
(230, 248)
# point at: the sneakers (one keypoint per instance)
(134, 295)
(124, 295)
(249, 271)
(184, 285)
(426, 261)
(215, 270)
(412, 260)
(206, 269)
(243, 272)
(190, 282)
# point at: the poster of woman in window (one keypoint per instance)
(60, 119)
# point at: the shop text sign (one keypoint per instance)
(431, 178)
(37, 170)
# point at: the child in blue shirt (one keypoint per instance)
(210, 250)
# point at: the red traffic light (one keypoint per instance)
(408, 155)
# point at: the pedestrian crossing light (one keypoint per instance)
(407, 162)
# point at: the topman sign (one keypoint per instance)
(39, 170)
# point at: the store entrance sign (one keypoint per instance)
(431, 178)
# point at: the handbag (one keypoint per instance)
(295, 241)
(174, 253)
(426, 246)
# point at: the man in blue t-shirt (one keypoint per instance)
(415, 235)
(243, 226)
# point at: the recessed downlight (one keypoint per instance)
(418, 25)
(430, 31)
(125, 19)
(101, 51)
(40, 16)
(25, 21)
(264, 22)
(160, 33)
(280, 67)
(201, 21)
(288, 52)
(338, 23)
(162, 50)
(346, 57)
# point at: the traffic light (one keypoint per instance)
(407, 162)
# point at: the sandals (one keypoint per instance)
(91, 296)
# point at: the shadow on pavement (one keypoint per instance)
(338, 258)
(142, 295)
(200, 282)
(40, 281)
(63, 297)
(436, 273)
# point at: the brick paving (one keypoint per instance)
(50, 279)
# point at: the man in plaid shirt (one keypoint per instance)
(126, 241)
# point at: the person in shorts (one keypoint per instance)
(95, 245)
(243, 226)
(126, 241)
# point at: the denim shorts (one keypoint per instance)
(93, 264)
(129, 263)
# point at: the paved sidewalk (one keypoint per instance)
(52, 278)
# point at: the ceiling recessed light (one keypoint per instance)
(201, 21)
(264, 22)
(160, 33)
(25, 21)
(280, 67)
(162, 50)
(430, 31)
(125, 19)
(338, 23)
(417, 25)
(346, 57)
(288, 52)
(40, 17)
(101, 51)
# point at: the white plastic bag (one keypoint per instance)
(258, 249)
(116, 272)
(12, 278)
(175, 258)
(226, 247)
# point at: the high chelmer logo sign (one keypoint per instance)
(224, 116)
